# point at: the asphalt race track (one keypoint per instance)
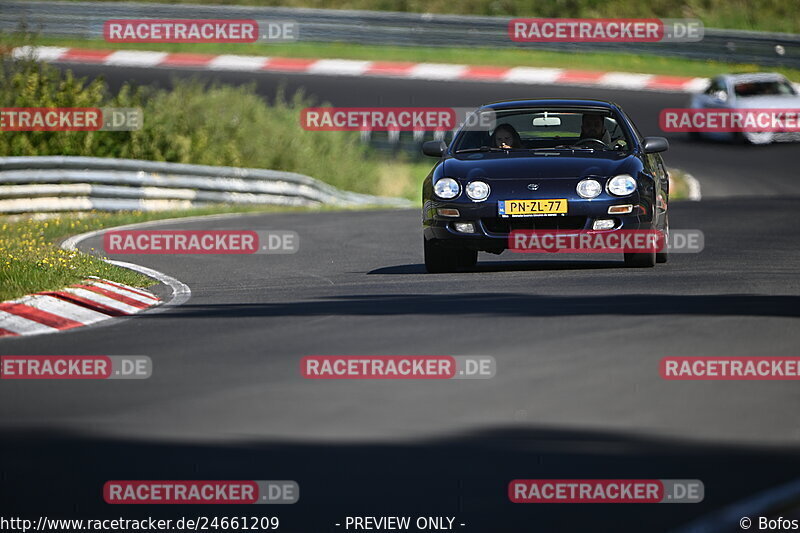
(577, 342)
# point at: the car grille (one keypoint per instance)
(507, 225)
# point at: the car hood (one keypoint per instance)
(768, 102)
(523, 166)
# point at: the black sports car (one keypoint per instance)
(541, 165)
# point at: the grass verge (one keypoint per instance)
(511, 57)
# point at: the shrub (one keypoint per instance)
(191, 122)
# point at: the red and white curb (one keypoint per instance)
(94, 300)
(75, 306)
(385, 69)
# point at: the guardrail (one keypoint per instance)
(62, 183)
(85, 20)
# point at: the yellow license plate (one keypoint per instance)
(511, 208)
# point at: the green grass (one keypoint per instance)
(765, 15)
(403, 178)
(680, 186)
(31, 261)
(503, 57)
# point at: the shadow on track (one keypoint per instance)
(505, 304)
(509, 266)
(62, 475)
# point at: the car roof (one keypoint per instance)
(753, 76)
(555, 102)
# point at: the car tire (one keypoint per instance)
(439, 259)
(647, 260)
(752, 139)
(758, 138)
(466, 258)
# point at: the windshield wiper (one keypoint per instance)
(483, 149)
(573, 148)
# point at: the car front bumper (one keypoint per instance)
(492, 231)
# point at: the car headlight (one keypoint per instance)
(478, 190)
(621, 185)
(589, 188)
(446, 188)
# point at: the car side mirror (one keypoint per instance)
(653, 145)
(434, 148)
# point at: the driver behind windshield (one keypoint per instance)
(505, 136)
(593, 126)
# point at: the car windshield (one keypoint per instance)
(547, 129)
(764, 88)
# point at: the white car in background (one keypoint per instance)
(748, 91)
